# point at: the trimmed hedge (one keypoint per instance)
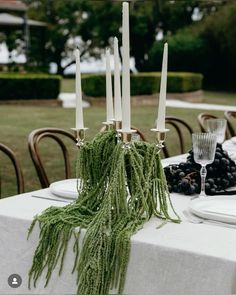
(145, 83)
(14, 86)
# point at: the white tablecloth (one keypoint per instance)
(177, 259)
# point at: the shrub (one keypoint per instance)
(29, 86)
(208, 47)
(94, 85)
(145, 83)
(219, 32)
(186, 52)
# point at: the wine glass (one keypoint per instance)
(204, 147)
(218, 127)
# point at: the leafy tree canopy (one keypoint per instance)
(208, 47)
(91, 25)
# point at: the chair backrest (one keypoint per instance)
(17, 168)
(203, 117)
(142, 136)
(230, 116)
(180, 127)
(58, 135)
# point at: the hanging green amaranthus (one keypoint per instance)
(121, 189)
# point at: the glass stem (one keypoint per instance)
(203, 173)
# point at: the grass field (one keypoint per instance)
(18, 121)
(229, 98)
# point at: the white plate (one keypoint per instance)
(65, 188)
(220, 208)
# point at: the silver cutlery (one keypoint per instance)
(197, 220)
(50, 199)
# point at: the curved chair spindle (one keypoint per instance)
(230, 116)
(33, 143)
(178, 126)
(17, 168)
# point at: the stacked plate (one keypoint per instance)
(219, 208)
(67, 188)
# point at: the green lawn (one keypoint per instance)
(225, 98)
(18, 121)
(228, 98)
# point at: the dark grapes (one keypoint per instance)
(185, 177)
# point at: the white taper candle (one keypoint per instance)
(109, 98)
(162, 97)
(79, 119)
(125, 70)
(117, 96)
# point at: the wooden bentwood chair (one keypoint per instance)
(17, 168)
(230, 116)
(58, 135)
(179, 127)
(203, 117)
(142, 136)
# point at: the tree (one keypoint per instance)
(96, 22)
(63, 25)
(219, 32)
(208, 47)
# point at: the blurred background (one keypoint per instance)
(41, 36)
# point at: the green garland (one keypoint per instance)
(121, 189)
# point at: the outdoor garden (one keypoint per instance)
(117, 147)
(204, 46)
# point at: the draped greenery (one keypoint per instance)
(121, 188)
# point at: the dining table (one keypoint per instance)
(190, 258)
